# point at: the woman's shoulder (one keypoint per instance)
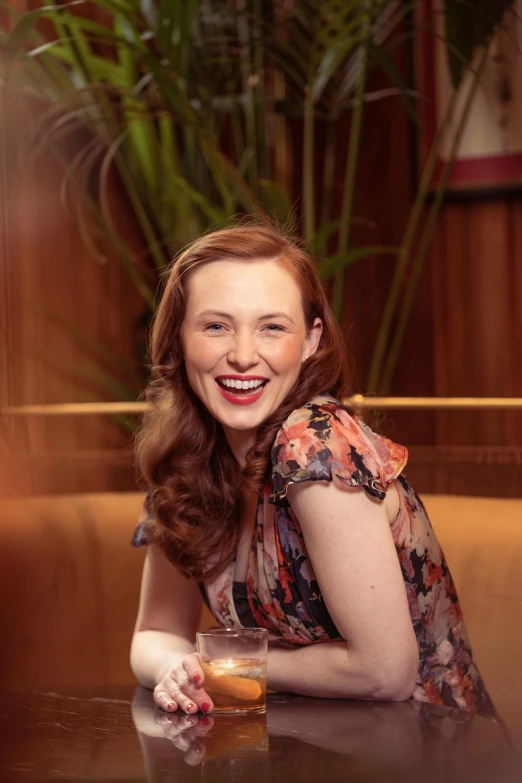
(325, 420)
(320, 413)
(323, 437)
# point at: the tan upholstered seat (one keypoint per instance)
(70, 586)
(482, 541)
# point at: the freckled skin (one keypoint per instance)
(245, 342)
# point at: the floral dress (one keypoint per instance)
(282, 594)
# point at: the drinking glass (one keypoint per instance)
(234, 663)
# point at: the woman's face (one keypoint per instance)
(244, 326)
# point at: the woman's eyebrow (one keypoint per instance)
(276, 315)
(217, 314)
(214, 313)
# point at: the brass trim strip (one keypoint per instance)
(76, 409)
(357, 402)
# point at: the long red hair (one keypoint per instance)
(181, 450)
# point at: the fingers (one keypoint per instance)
(192, 666)
(164, 700)
(170, 698)
(192, 698)
(195, 681)
(181, 688)
(171, 695)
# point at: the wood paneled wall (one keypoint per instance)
(477, 306)
(49, 272)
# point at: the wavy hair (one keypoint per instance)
(181, 450)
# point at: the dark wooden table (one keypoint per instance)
(120, 735)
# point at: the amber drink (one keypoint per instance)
(234, 664)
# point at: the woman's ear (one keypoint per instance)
(313, 337)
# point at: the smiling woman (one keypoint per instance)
(239, 304)
(275, 504)
(262, 328)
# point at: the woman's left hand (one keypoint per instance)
(180, 685)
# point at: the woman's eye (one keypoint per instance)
(274, 328)
(214, 327)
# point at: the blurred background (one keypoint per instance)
(385, 130)
(389, 133)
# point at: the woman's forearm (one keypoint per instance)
(330, 670)
(152, 652)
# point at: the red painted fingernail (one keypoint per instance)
(170, 705)
(205, 721)
(197, 678)
(205, 706)
(190, 705)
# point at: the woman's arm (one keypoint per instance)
(168, 617)
(349, 542)
(329, 670)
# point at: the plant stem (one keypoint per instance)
(245, 42)
(259, 92)
(308, 166)
(328, 177)
(428, 232)
(351, 164)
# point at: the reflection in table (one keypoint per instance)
(121, 735)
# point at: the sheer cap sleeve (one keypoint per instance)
(143, 531)
(323, 438)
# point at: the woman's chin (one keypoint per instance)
(242, 421)
(242, 417)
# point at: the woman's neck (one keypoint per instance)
(240, 442)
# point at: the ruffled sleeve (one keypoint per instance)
(143, 531)
(323, 438)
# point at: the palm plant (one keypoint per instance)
(188, 102)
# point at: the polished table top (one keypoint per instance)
(120, 735)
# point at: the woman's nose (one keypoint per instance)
(243, 353)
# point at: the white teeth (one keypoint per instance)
(232, 383)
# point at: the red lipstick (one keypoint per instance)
(241, 399)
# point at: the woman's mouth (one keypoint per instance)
(241, 392)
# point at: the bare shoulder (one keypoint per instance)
(391, 502)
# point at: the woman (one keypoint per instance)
(289, 512)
